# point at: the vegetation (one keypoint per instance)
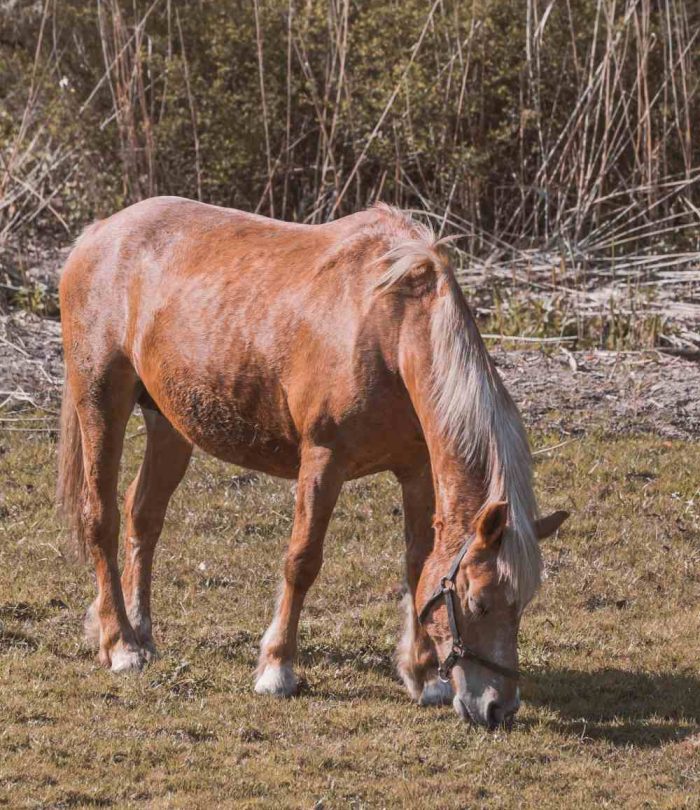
(562, 123)
(554, 138)
(611, 705)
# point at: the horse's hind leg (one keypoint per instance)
(318, 486)
(163, 467)
(415, 656)
(104, 403)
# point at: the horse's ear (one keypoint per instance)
(491, 522)
(546, 526)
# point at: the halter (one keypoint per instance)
(446, 590)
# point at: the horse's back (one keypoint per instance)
(172, 238)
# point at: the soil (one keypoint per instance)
(31, 360)
(615, 392)
(569, 393)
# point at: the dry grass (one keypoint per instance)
(611, 713)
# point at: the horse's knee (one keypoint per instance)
(144, 520)
(301, 567)
(146, 526)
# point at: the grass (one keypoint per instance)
(611, 707)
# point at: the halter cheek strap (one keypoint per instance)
(446, 590)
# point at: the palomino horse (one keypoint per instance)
(322, 353)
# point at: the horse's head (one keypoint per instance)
(478, 646)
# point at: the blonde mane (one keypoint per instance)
(474, 410)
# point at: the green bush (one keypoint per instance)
(520, 124)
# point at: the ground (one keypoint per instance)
(611, 701)
(610, 647)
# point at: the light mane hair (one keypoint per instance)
(474, 410)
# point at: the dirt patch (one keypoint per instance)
(618, 392)
(31, 360)
(567, 392)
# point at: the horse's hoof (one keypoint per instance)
(91, 625)
(436, 693)
(128, 659)
(145, 642)
(278, 680)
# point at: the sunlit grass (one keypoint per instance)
(611, 708)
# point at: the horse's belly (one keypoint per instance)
(236, 419)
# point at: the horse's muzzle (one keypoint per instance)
(493, 715)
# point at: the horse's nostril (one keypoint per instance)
(494, 715)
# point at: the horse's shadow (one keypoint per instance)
(619, 706)
(615, 705)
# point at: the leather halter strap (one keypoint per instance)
(446, 590)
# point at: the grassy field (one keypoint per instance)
(611, 706)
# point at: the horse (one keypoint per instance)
(321, 353)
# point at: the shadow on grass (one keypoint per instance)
(363, 658)
(622, 707)
(618, 706)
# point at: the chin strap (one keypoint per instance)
(446, 590)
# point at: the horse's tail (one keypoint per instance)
(70, 486)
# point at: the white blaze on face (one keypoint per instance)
(471, 695)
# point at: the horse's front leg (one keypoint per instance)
(318, 486)
(415, 656)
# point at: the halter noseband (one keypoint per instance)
(446, 590)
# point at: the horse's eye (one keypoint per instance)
(477, 606)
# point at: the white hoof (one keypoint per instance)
(277, 680)
(436, 693)
(125, 659)
(91, 625)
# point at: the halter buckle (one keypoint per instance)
(443, 675)
(448, 664)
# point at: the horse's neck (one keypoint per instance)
(461, 484)
(460, 492)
